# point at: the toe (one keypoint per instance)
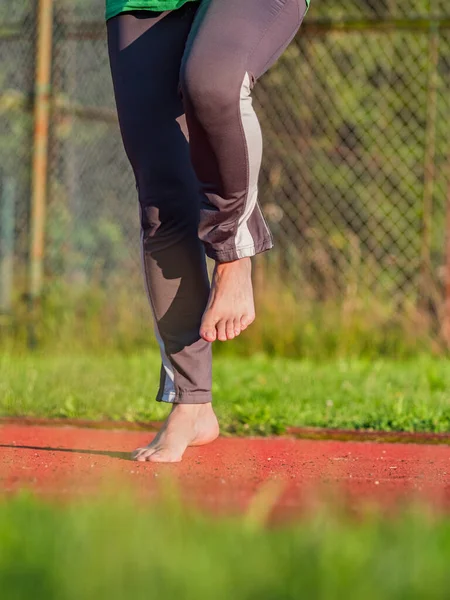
(246, 320)
(221, 331)
(149, 452)
(142, 454)
(140, 457)
(237, 327)
(164, 457)
(230, 330)
(135, 455)
(208, 336)
(208, 329)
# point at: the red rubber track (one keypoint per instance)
(289, 474)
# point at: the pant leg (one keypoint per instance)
(145, 54)
(231, 44)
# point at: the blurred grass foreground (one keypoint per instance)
(124, 550)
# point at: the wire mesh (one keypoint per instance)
(356, 174)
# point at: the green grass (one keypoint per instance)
(118, 550)
(252, 395)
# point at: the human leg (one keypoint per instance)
(232, 43)
(145, 55)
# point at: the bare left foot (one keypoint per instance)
(187, 425)
(231, 308)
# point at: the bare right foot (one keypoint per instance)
(230, 307)
(187, 425)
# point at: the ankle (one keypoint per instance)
(246, 261)
(191, 408)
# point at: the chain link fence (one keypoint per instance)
(356, 176)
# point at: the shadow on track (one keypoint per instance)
(120, 455)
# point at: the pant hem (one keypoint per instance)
(168, 397)
(222, 256)
(185, 397)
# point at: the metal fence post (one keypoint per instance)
(40, 148)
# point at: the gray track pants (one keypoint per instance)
(195, 65)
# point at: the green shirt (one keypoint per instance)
(115, 7)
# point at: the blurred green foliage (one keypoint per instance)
(123, 549)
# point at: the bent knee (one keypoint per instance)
(210, 91)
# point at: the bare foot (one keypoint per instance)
(230, 307)
(187, 425)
